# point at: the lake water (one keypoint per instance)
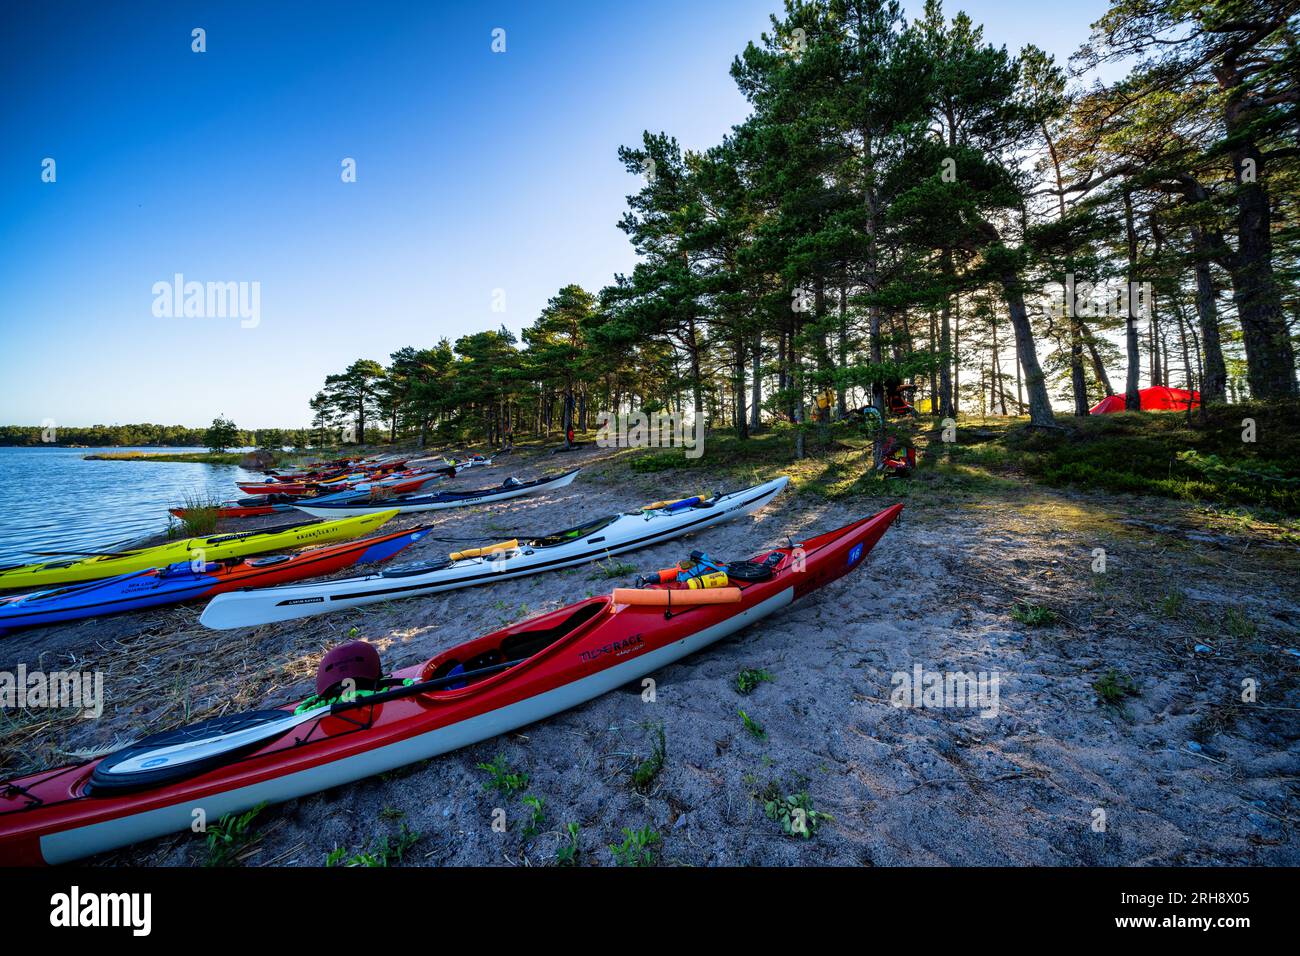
(55, 501)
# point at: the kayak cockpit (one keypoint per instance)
(513, 645)
(570, 535)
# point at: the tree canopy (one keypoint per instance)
(913, 203)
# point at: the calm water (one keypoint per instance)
(54, 501)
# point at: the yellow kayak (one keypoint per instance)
(215, 547)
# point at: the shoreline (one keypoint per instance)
(193, 458)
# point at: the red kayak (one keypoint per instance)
(347, 467)
(254, 507)
(184, 581)
(466, 694)
(391, 484)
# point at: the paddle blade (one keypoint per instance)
(163, 758)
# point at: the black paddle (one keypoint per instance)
(408, 690)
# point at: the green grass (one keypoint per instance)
(193, 457)
(1239, 625)
(1150, 453)
(643, 777)
(201, 515)
(747, 681)
(637, 848)
(229, 836)
(1172, 604)
(1033, 615)
(1112, 687)
(501, 778)
(384, 852)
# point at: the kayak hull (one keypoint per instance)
(68, 845)
(629, 533)
(443, 501)
(585, 650)
(397, 486)
(211, 548)
(173, 585)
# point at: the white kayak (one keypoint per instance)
(510, 488)
(476, 461)
(613, 534)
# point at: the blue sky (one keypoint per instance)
(476, 171)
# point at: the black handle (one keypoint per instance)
(410, 690)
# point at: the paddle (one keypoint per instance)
(164, 757)
(409, 690)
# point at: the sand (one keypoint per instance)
(1180, 772)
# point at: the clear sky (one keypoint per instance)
(476, 171)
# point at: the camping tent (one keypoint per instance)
(1157, 398)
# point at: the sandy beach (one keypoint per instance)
(1179, 771)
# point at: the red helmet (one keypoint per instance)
(355, 660)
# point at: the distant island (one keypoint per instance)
(142, 435)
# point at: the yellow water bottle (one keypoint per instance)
(714, 579)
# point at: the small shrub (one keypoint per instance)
(536, 816)
(567, 854)
(1033, 615)
(754, 727)
(608, 570)
(664, 461)
(1112, 687)
(747, 681)
(796, 815)
(644, 775)
(637, 848)
(502, 778)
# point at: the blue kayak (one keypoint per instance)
(184, 582)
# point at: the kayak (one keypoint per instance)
(256, 506)
(282, 486)
(300, 534)
(351, 466)
(510, 488)
(473, 461)
(183, 582)
(469, 693)
(261, 505)
(605, 536)
(400, 484)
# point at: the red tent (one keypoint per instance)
(1155, 399)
